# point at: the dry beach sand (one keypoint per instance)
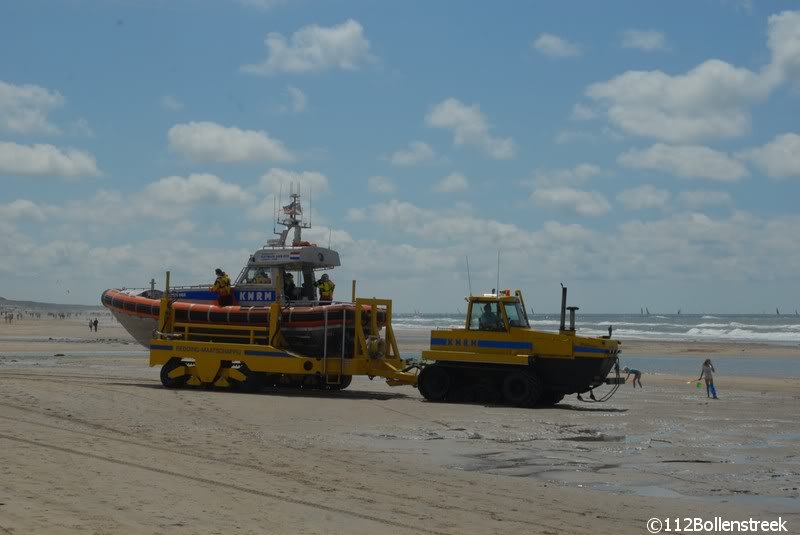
(91, 443)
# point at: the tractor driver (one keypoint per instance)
(489, 321)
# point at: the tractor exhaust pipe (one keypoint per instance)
(563, 307)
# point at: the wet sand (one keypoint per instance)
(91, 442)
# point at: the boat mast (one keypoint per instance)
(291, 217)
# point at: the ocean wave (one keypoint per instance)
(744, 334)
(710, 317)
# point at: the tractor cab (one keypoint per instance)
(496, 312)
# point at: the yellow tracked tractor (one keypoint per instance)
(497, 356)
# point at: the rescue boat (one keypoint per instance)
(308, 324)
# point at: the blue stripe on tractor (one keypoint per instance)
(504, 345)
(266, 353)
(589, 349)
(160, 347)
(494, 344)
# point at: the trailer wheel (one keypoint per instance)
(434, 383)
(344, 382)
(170, 382)
(253, 382)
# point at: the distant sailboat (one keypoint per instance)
(647, 310)
(679, 312)
(777, 312)
(641, 311)
(795, 312)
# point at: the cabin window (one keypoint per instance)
(485, 317)
(516, 317)
(256, 275)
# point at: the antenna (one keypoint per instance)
(498, 272)
(274, 212)
(330, 231)
(469, 279)
(310, 198)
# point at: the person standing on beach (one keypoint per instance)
(707, 373)
(637, 375)
(91, 324)
(95, 324)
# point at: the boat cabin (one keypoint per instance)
(266, 276)
(284, 272)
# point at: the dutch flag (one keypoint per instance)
(294, 255)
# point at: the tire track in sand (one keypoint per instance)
(214, 483)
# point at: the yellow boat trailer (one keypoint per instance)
(187, 358)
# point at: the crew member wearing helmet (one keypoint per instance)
(289, 288)
(222, 286)
(326, 286)
(262, 277)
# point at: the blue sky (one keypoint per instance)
(644, 153)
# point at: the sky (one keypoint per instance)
(643, 153)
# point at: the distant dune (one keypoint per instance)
(35, 304)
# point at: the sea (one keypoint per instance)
(777, 330)
(762, 328)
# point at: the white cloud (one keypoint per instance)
(171, 103)
(24, 108)
(644, 197)
(688, 161)
(779, 158)
(21, 209)
(45, 160)
(586, 203)
(700, 199)
(212, 142)
(310, 182)
(555, 47)
(418, 152)
(647, 40)
(579, 174)
(315, 48)
(193, 189)
(710, 101)
(381, 184)
(582, 112)
(356, 214)
(783, 31)
(452, 183)
(470, 127)
(263, 5)
(299, 99)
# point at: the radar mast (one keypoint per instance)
(291, 217)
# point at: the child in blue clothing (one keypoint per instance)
(637, 375)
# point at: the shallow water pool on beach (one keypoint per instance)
(743, 366)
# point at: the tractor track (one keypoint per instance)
(307, 482)
(101, 382)
(60, 377)
(222, 484)
(310, 483)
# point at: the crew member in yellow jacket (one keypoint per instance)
(222, 286)
(326, 286)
